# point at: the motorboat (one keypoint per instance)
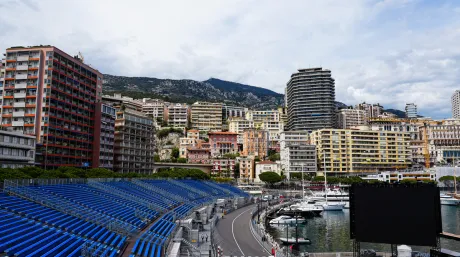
(449, 200)
(284, 219)
(307, 206)
(332, 195)
(293, 240)
(329, 206)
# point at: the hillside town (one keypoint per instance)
(53, 113)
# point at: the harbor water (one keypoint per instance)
(331, 232)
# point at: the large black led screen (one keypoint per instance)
(395, 214)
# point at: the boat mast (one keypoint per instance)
(303, 189)
(325, 177)
(455, 181)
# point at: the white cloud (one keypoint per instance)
(386, 51)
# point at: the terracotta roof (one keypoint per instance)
(193, 130)
(266, 162)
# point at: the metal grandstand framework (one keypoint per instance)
(159, 189)
(125, 195)
(63, 205)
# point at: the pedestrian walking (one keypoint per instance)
(202, 238)
(206, 237)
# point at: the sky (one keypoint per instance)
(390, 52)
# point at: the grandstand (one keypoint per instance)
(99, 217)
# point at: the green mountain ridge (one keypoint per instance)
(190, 91)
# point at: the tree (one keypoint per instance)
(257, 159)
(175, 153)
(181, 160)
(6, 173)
(274, 157)
(448, 178)
(237, 170)
(270, 177)
(156, 158)
(271, 152)
(33, 172)
(231, 155)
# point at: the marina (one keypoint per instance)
(330, 232)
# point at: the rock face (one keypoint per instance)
(189, 91)
(165, 145)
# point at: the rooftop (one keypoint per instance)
(222, 133)
(266, 162)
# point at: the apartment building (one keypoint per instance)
(16, 150)
(134, 142)
(52, 95)
(296, 153)
(117, 100)
(358, 151)
(238, 125)
(274, 129)
(411, 111)
(154, 108)
(223, 143)
(184, 144)
(348, 118)
(255, 143)
(397, 125)
(2, 78)
(198, 155)
(455, 101)
(107, 136)
(177, 115)
(229, 112)
(223, 168)
(310, 100)
(443, 138)
(193, 133)
(258, 117)
(207, 116)
(371, 110)
(403, 125)
(266, 166)
(246, 165)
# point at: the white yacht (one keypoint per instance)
(284, 219)
(449, 200)
(306, 206)
(332, 195)
(330, 206)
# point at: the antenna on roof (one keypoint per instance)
(81, 57)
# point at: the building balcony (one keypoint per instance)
(22, 58)
(18, 114)
(18, 123)
(21, 76)
(18, 158)
(19, 104)
(22, 67)
(19, 95)
(20, 85)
